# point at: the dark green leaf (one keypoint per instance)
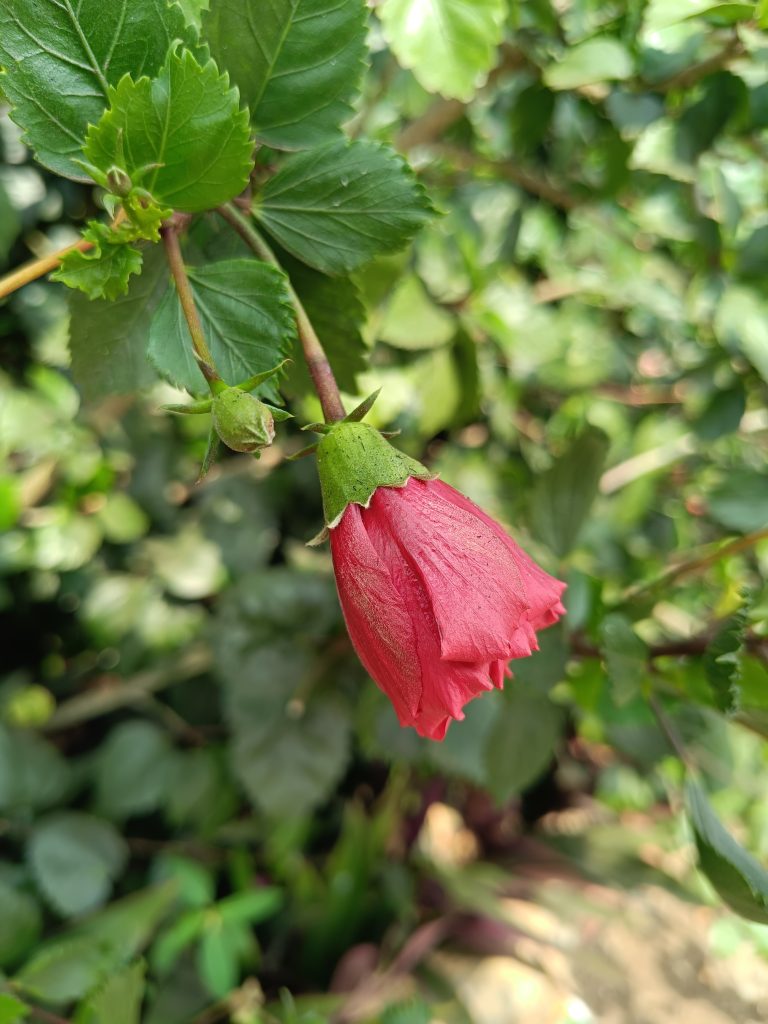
(297, 63)
(251, 906)
(10, 225)
(108, 340)
(449, 44)
(119, 1000)
(102, 272)
(738, 878)
(132, 770)
(740, 502)
(626, 657)
(75, 858)
(249, 324)
(463, 751)
(563, 495)
(338, 206)
(186, 126)
(61, 58)
(33, 775)
(722, 662)
(20, 924)
(522, 741)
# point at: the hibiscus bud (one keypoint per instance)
(436, 596)
(242, 422)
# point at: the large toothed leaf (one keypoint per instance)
(449, 44)
(297, 63)
(108, 340)
(341, 205)
(248, 321)
(61, 56)
(738, 878)
(188, 123)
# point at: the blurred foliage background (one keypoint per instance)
(195, 770)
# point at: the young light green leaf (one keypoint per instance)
(596, 60)
(60, 58)
(108, 340)
(75, 858)
(450, 45)
(297, 63)
(119, 999)
(722, 662)
(738, 878)
(338, 206)
(12, 1010)
(563, 495)
(248, 319)
(102, 272)
(218, 958)
(186, 126)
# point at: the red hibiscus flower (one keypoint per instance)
(437, 598)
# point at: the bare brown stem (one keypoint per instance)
(314, 354)
(185, 293)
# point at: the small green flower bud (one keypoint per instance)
(242, 422)
(118, 182)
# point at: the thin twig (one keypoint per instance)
(124, 693)
(185, 293)
(314, 354)
(38, 268)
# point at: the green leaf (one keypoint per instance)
(463, 751)
(33, 775)
(12, 1010)
(248, 319)
(132, 770)
(335, 308)
(20, 924)
(10, 225)
(119, 1000)
(722, 661)
(75, 858)
(251, 906)
(61, 58)
(72, 965)
(218, 959)
(297, 63)
(626, 657)
(182, 135)
(740, 502)
(103, 271)
(563, 495)
(450, 45)
(737, 877)
(522, 741)
(108, 340)
(414, 1012)
(596, 60)
(341, 205)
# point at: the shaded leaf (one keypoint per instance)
(522, 741)
(20, 924)
(722, 662)
(740, 502)
(186, 126)
(338, 206)
(626, 657)
(132, 770)
(563, 495)
(248, 319)
(449, 45)
(297, 63)
(75, 858)
(61, 58)
(33, 775)
(737, 877)
(108, 340)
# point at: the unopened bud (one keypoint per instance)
(118, 182)
(242, 422)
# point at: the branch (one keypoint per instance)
(38, 268)
(123, 693)
(314, 354)
(175, 259)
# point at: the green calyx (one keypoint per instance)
(353, 460)
(242, 422)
